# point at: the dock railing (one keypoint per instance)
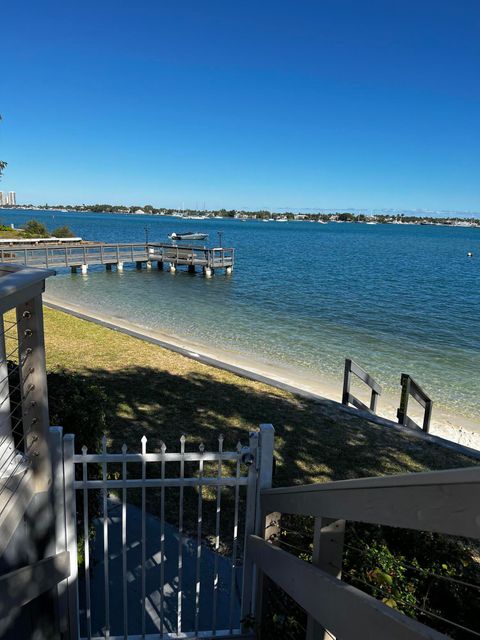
(442, 501)
(108, 254)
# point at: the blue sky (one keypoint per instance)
(332, 103)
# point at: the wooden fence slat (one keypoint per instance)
(20, 587)
(344, 610)
(442, 501)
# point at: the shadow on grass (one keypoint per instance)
(314, 441)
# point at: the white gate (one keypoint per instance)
(161, 538)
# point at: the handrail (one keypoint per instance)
(20, 587)
(412, 388)
(344, 610)
(349, 398)
(438, 501)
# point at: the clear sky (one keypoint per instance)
(329, 103)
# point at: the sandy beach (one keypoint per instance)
(459, 429)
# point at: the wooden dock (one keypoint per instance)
(80, 257)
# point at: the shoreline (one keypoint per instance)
(456, 428)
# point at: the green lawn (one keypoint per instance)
(163, 395)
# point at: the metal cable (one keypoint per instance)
(424, 571)
(414, 606)
(14, 453)
(292, 546)
(13, 491)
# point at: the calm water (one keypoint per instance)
(395, 298)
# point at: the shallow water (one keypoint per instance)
(396, 298)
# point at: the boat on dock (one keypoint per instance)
(188, 235)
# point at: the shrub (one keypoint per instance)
(63, 232)
(36, 229)
(79, 406)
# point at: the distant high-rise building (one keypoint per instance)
(12, 198)
(1, 198)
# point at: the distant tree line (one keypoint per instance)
(264, 214)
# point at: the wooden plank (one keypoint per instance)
(365, 377)
(328, 537)
(441, 501)
(20, 587)
(358, 403)
(416, 391)
(346, 611)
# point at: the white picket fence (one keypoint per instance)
(137, 598)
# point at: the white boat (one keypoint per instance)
(188, 235)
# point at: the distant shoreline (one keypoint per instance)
(449, 219)
(456, 428)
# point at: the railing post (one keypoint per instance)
(33, 388)
(58, 490)
(250, 459)
(71, 535)
(267, 525)
(6, 440)
(327, 555)
(346, 382)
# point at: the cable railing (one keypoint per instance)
(24, 455)
(347, 601)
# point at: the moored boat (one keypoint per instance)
(188, 235)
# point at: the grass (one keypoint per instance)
(163, 395)
(7, 233)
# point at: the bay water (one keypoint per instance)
(395, 298)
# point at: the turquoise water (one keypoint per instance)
(396, 298)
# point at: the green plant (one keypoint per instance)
(79, 406)
(63, 232)
(36, 229)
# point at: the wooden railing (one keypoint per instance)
(100, 253)
(18, 588)
(348, 397)
(411, 388)
(29, 565)
(442, 501)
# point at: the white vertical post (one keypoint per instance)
(327, 555)
(33, 386)
(6, 440)
(58, 490)
(266, 525)
(71, 535)
(250, 458)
